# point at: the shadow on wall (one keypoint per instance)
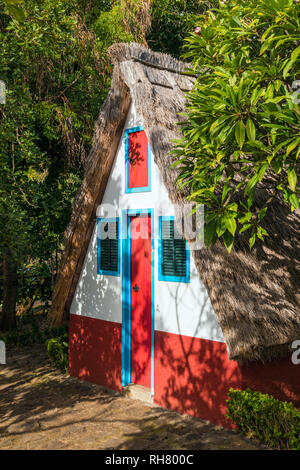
(134, 150)
(140, 280)
(97, 295)
(95, 351)
(95, 330)
(189, 372)
(194, 375)
(256, 294)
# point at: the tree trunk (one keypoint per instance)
(8, 321)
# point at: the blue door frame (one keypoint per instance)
(126, 295)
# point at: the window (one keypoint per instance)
(108, 247)
(173, 253)
(137, 161)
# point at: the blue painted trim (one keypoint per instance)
(143, 188)
(152, 301)
(161, 276)
(126, 295)
(99, 270)
(126, 303)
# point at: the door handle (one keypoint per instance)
(136, 288)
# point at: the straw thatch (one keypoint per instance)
(255, 295)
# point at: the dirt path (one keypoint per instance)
(40, 408)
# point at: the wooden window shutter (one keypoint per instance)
(108, 247)
(173, 251)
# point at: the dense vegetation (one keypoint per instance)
(172, 21)
(242, 134)
(53, 62)
(242, 130)
(54, 65)
(276, 423)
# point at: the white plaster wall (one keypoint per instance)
(179, 308)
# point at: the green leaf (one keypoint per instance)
(232, 207)
(252, 240)
(240, 133)
(262, 213)
(16, 12)
(245, 227)
(251, 184)
(261, 232)
(225, 191)
(264, 47)
(262, 171)
(230, 225)
(210, 234)
(251, 131)
(13, 2)
(292, 179)
(292, 145)
(221, 228)
(294, 200)
(287, 68)
(277, 84)
(246, 218)
(295, 53)
(228, 240)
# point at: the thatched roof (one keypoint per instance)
(255, 295)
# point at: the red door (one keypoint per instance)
(140, 229)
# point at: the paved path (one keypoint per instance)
(41, 408)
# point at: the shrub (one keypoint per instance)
(241, 136)
(31, 329)
(57, 349)
(276, 423)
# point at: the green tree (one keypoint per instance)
(14, 9)
(242, 134)
(171, 22)
(57, 75)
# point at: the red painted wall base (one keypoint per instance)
(193, 376)
(95, 351)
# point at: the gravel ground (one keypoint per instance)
(41, 408)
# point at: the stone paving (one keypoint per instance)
(41, 408)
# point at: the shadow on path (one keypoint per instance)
(41, 408)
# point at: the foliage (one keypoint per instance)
(276, 423)
(57, 75)
(35, 284)
(136, 17)
(31, 329)
(57, 349)
(14, 9)
(242, 134)
(171, 22)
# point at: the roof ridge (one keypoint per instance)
(120, 52)
(161, 67)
